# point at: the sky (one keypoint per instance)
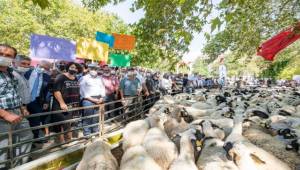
(123, 11)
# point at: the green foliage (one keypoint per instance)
(63, 20)
(200, 67)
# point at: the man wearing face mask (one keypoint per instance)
(38, 80)
(21, 66)
(92, 92)
(130, 89)
(111, 86)
(11, 109)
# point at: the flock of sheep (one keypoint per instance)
(248, 129)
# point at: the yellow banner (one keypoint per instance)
(92, 50)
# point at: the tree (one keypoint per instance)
(63, 19)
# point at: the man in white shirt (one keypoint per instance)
(92, 92)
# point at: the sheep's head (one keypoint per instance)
(260, 114)
(185, 115)
(287, 133)
(238, 151)
(294, 145)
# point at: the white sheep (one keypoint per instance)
(98, 156)
(160, 147)
(249, 157)
(186, 158)
(173, 127)
(134, 132)
(209, 131)
(213, 156)
(136, 158)
(236, 138)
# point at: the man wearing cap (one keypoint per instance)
(11, 109)
(92, 92)
(130, 89)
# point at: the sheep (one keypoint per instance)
(97, 156)
(247, 156)
(186, 158)
(135, 131)
(172, 126)
(209, 131)
(224, 123)
(213, 156)
(136, 158)
(270, 144)
(160, 147)
(244, 146)
(201, 105)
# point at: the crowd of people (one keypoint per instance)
(27, 90)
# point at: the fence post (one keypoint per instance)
(10, 143)
(101, 119)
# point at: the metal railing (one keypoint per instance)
(138, 108)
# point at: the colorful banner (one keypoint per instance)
(92, 50)
(42, 46)
(120, 60)
(124, 42)
(105, 38)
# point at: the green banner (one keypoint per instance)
(120, 60)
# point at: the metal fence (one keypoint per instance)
(138, 109)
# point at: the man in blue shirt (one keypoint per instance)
(130, 89)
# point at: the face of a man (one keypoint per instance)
(24, 63)
(7, 52)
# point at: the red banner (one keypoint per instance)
(271, 47)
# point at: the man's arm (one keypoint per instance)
(10, 117)
(59, 98)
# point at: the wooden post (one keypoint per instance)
(101, 120)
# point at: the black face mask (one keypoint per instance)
(72, 72)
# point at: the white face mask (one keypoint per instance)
(93, 73)
(5, 61)
(22, 69)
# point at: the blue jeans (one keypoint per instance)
(18, 137)
(107, 99)
(90, 121)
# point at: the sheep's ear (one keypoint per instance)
(256, 159)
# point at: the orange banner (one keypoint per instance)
(124, 42)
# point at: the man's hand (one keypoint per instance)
(99, 101)
(63, 106)
(123, 101)
(147, 94)
(12, 118)
(24, 111)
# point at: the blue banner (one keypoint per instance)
(106, 38)
(42, 46)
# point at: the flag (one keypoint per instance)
(120, 60)
(124, 42)
(105, 38)
(46, 47)
(271, 47)
(92, 50)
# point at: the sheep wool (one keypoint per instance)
(98, 156)
(160, 147)
(136, 158)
